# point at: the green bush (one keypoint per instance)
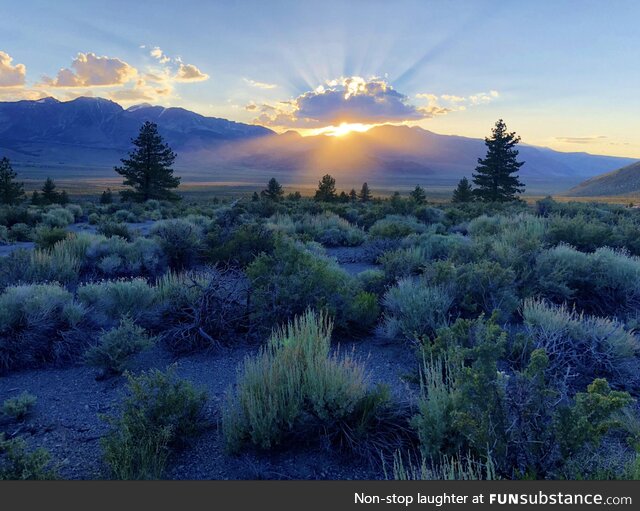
(58, 217)
(295, 386)
(582, 347)
(115, 257)
(293, 278)
(46, 237)
(180, 241)
(160, 412)
(241, 246)
(363, 311)
(396, 226)
(111, 300)
(117, 346)
(20, 232)
(414, 309)
(16, 463)
(20, 406)
(39, 323)
(110, 229)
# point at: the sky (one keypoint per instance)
(562, 74)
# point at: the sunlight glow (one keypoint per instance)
(339, 131)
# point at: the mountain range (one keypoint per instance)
(623, 181)
(84, 139)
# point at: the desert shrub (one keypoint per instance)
(363, 311)
(75, 210)
(372, 281)
(330, 230)
(581, 347)
(414, 309)
(445, 468)
(590, 416)
(159, 413)
(53, 265)
(241, 246)
(295, 386)
(93, 218)
(115, 348)
(440, 246)
(605, 282)
(20, 232)
(429, 214)
(39, 323)
(20, 406)
(293, 278)
(123, 215)
(115, 257)
(202, 310)
(461, 408)
(17, 463)
(110, 229)
(58, 217)
(46, 237)
(180, 241)
(396, 226)
(4, 234)
(403, 262)
(483, 286)
(111, 300)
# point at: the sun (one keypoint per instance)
(342, 129)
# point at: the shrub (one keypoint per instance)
(110, 300)
(53, 265)
(21, 232)
(16, 463)
(294, 385)
(123, 259)
(396, 226)
(605, 282)
(115, 348)
(39, 323)
(446, 468)
(242, 245)
(123, 215)
(414, 309)
(75, 210)
(363, 311)
(372, 281)
(582, 347)
(202, 310)
(159, 413)
(180, 241)
(20, 406)
(46, 237)
(293, 278)
(110, 229)
(403, 262)
(58, 217)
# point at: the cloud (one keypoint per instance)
(343, 100)
(259, 85)
(445, 103)
(91, 70)
(11, 75)
(190, 73)
(581, 140)
(159, 55)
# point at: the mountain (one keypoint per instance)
(84, 138)
(619, 182)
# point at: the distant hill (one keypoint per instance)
(86, 137)
(619, 182)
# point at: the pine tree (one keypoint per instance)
(273, 191)
(353, 195)
(35, 198)
(326, 191)
(106, 197)
(343, 197)
(463, 192)
(63, 198)
(495, 177)
(148, 169)
(11, 192)
(255, 197)
(365, 194)
(418, 195)
(49, 194)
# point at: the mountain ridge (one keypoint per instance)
(85, 137)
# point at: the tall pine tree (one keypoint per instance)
(11, 192)
(495, 177)
(273, 191)
(365, 193)
(148, 169)
(49, 193)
